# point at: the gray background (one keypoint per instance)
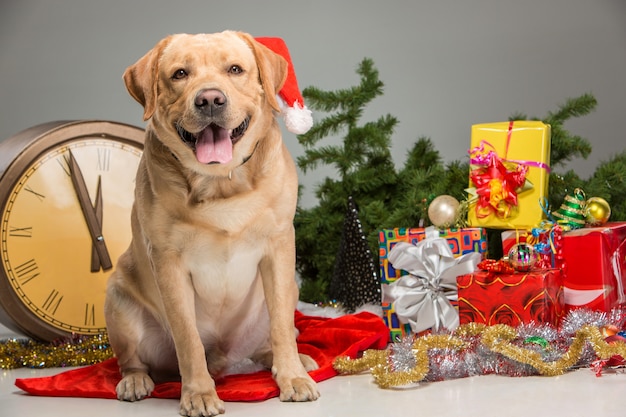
(446, 64)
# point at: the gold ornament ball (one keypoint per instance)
(442, 211)
(598, 211)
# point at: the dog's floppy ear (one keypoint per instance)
(141, 78)
(272, 69)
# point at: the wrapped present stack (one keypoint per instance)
(556, 259)
(562, 259)
(508, 181)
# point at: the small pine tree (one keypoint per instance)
(355, 279)
(388, 198)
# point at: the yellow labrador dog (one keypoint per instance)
(208, 279)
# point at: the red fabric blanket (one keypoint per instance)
(322, 338)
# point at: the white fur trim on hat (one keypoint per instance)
(298, 118)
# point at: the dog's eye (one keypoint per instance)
(179, 74)
(235, 69)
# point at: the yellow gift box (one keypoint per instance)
(509, 171)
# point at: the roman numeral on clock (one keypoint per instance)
(64, 163)
(104, 159)
(20, 231)
(35, 193)
(27, 271)
(53, 301)
(90, 314)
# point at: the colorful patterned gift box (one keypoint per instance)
(595, 267)
(397, 330)
(461, 241)
(509, 170)
(511, 298)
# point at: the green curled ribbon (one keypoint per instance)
(537, 340)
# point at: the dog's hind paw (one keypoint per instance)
(308, 362)
(134, 386)
(200, 405)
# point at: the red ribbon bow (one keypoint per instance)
(496, 186)
(497, 267)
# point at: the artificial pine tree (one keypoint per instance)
(389, 198)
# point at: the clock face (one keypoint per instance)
(57, 251)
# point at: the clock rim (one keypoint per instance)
(23, 149)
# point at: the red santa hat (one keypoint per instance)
(297, 116)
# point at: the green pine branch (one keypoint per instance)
(609, 182)
(572, 108)
(564, 145)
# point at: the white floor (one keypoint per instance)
(579, 393)
(575, 394)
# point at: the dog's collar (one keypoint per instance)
(246, 159)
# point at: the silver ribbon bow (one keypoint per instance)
(422, 298)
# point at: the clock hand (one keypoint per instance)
(95, 259)
(95, 230)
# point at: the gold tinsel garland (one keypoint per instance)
(88, 350)
(76, 351)
(497, 338)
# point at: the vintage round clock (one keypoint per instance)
(66, 193)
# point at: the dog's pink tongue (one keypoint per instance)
(214, 145)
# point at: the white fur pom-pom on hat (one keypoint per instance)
(298, 118)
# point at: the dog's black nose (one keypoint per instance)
(210, 101)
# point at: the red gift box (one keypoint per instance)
(595, 267)
(512, 299)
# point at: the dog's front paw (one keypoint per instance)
(134, 386)
(298, 389)
(194, 404)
